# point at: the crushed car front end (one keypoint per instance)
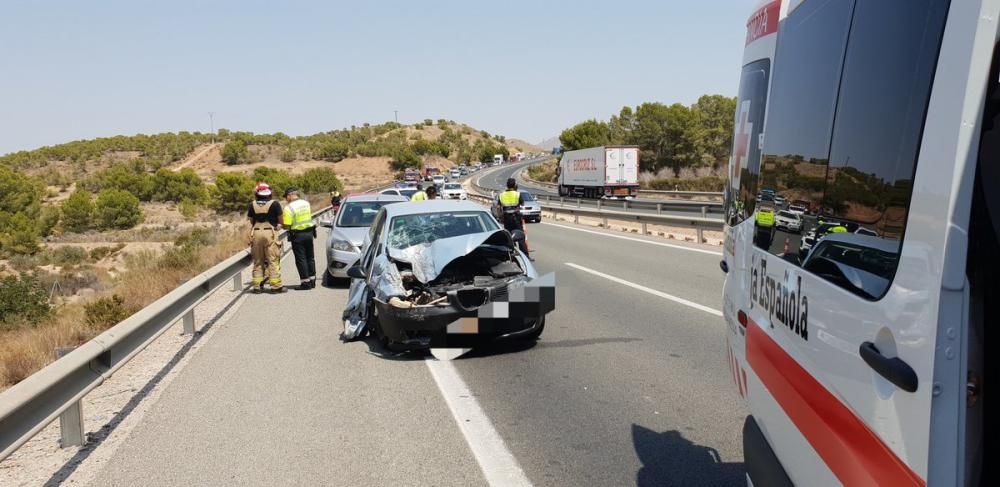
(458, 293)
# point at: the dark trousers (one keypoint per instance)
(513, 221)
(305, 258)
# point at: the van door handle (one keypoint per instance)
(724, 266)
(894, 369)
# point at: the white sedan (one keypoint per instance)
(453, 191)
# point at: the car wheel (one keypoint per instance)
(535, 335)
(327, 279)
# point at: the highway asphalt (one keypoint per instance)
(628, 385)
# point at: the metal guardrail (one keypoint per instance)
(57, 390)
(575, 207)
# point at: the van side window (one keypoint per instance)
(744, 164)
(844, 142)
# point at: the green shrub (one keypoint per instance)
(78, 211)
(288, 155)
(22, 298)
(99, 253)
(418, 126)
(232, 192)
(178, 186)
(442, 123)
(405, 158)
(333, 151)
(117, 209)
(235, 152)
(708, 183)
(131, 177)
(188, 209)
(180, 258)
(48, 220)
(319, 180)
(428, 122)
(105, 312)
(276, 178)
(25, 262)
(68, 255)
(197, 237)
(18, 234)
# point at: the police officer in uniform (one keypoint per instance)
(510, 212)
(297, 218)
(265, 214)
(420, 195)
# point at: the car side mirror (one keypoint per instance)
(326, 223)
(356, 272)
(517, 235)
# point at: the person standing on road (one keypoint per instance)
(420, 195)
(510, 212)
(335, 201)
(297, 218)
(264, 214)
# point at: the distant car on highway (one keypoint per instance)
(348, 230)
(439, 180)
(788, 220)
(454, 191)
(531, 211)
(455, 173)
(407, 191)
(800, 210)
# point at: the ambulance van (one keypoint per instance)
(863, 361)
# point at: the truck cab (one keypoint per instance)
(860, 358)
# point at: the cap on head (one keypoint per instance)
(291, 190)
(262, 189)
(511, 183)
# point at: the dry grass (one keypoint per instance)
(148, 276)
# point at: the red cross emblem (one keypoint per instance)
(741, 140)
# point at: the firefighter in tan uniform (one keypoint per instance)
(265, 215)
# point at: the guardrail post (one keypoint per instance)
(604, 222)
(659, 208)
(561, 202)
(644, 232)
(599, 201)
(579, 203)
(576, 218)
(189, 322)
(701, 235)
(238, 282)
(625, 205)
(704, 212)
(71, 420)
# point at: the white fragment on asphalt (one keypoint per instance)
(654, 292)
(681, 247)
(499, 466)
(449, 353)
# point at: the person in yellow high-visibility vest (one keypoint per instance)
(764, 221)
(420, 195)
(297, 218)
(510, 212)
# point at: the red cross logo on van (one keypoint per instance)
(741, 140)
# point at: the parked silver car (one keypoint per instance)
(348, 231)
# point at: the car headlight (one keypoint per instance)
(343, 245)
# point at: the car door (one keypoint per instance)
(847, 366)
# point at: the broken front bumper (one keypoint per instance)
(469, 317)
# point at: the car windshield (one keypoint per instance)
(453, 186)
(787, 214)
(526, 196)
(407, 192)
(409, 230)
(359, 213)
(870, 260)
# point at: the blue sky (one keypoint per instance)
(71, 70)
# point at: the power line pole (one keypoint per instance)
(211, 124)
(395, 115)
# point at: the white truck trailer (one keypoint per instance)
(600, 172)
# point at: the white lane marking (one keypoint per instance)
(497, 463)
(681, 247)
(654, 292)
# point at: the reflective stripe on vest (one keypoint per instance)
(298, 215)
(419, 196)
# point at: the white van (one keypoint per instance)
(861, 360)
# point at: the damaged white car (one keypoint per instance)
(443, 274)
